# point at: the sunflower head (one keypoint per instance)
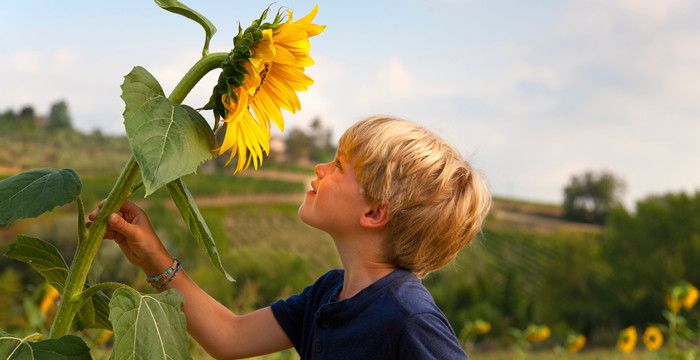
(627, 340)
(481, 327)
(653, 338)
(683, 295)
(537, 333)
(49, 300)
(260, 77)
(233, 69)
(575, 342)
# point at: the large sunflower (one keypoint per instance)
(272, 63)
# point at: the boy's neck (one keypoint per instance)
(363, 265)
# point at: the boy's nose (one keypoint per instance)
(321, 170)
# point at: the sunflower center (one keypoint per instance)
(263, 75)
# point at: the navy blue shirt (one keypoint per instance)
(394, 318)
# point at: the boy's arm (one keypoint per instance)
(223, 334)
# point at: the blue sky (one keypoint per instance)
(529, 92)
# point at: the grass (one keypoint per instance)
(595, 354)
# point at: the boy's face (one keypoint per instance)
(334, 203)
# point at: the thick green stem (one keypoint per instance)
(196, 73)
(87, 249)
(86, 252)
(82, 230)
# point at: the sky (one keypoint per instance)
(530, 92)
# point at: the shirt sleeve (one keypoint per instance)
(290, 314)
(427, 336)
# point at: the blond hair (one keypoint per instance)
(436, 201)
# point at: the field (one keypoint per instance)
(527, 266)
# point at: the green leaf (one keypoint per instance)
(179, 8)
(168, 141)
(34, 192)
(67, 347)
(195, 221)
(148, 326)
(48, 261)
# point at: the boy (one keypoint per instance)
(398, 203)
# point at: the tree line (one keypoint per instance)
(26, 118)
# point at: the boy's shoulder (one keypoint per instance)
(410, 295)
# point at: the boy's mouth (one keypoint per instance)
(313, 186)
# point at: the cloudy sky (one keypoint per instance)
(530, 92)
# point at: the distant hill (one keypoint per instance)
(98, 155)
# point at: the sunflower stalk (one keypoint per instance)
(122, 189)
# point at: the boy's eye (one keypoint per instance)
(338, 164)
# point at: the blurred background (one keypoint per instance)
(582, 115)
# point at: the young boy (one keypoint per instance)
(398, 203)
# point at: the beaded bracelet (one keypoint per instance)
(156, 279)
(177, 268)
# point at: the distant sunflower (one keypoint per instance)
(49, 300)
(537, 333)
(628, 339)
(653, 338)
(691, 297)
(481, 327)
(575, 342)
(261, 76)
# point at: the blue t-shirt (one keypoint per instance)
(394, 318)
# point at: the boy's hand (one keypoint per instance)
(132, 231)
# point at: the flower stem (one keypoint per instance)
(86, 252)
(88, 247)
(196, 73)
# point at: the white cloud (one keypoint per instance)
(25, 61)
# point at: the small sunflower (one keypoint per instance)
(537, 333)
(627, 340)
(691, 297)
(260, 77)
(481, 327)
(653, 338)
(575, 342)
(49, 300)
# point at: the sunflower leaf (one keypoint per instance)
(195, 221)
(179, 8)
(168, 141)
(48, 261)
(34, 192)
(67, 347)
(148, 326)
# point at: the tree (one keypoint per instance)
(590, 196)
(299, 145)
(59, 117)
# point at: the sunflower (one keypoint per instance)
(261, 77)
(575, 342)
(537, 333)
(628, 339)
(49, 300)
(691, 297)
(481, 327)
(653, 338)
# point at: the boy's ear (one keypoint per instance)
(375, 216)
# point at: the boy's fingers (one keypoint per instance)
(118, 224)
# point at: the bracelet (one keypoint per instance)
(177, 268)
(168, 271)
